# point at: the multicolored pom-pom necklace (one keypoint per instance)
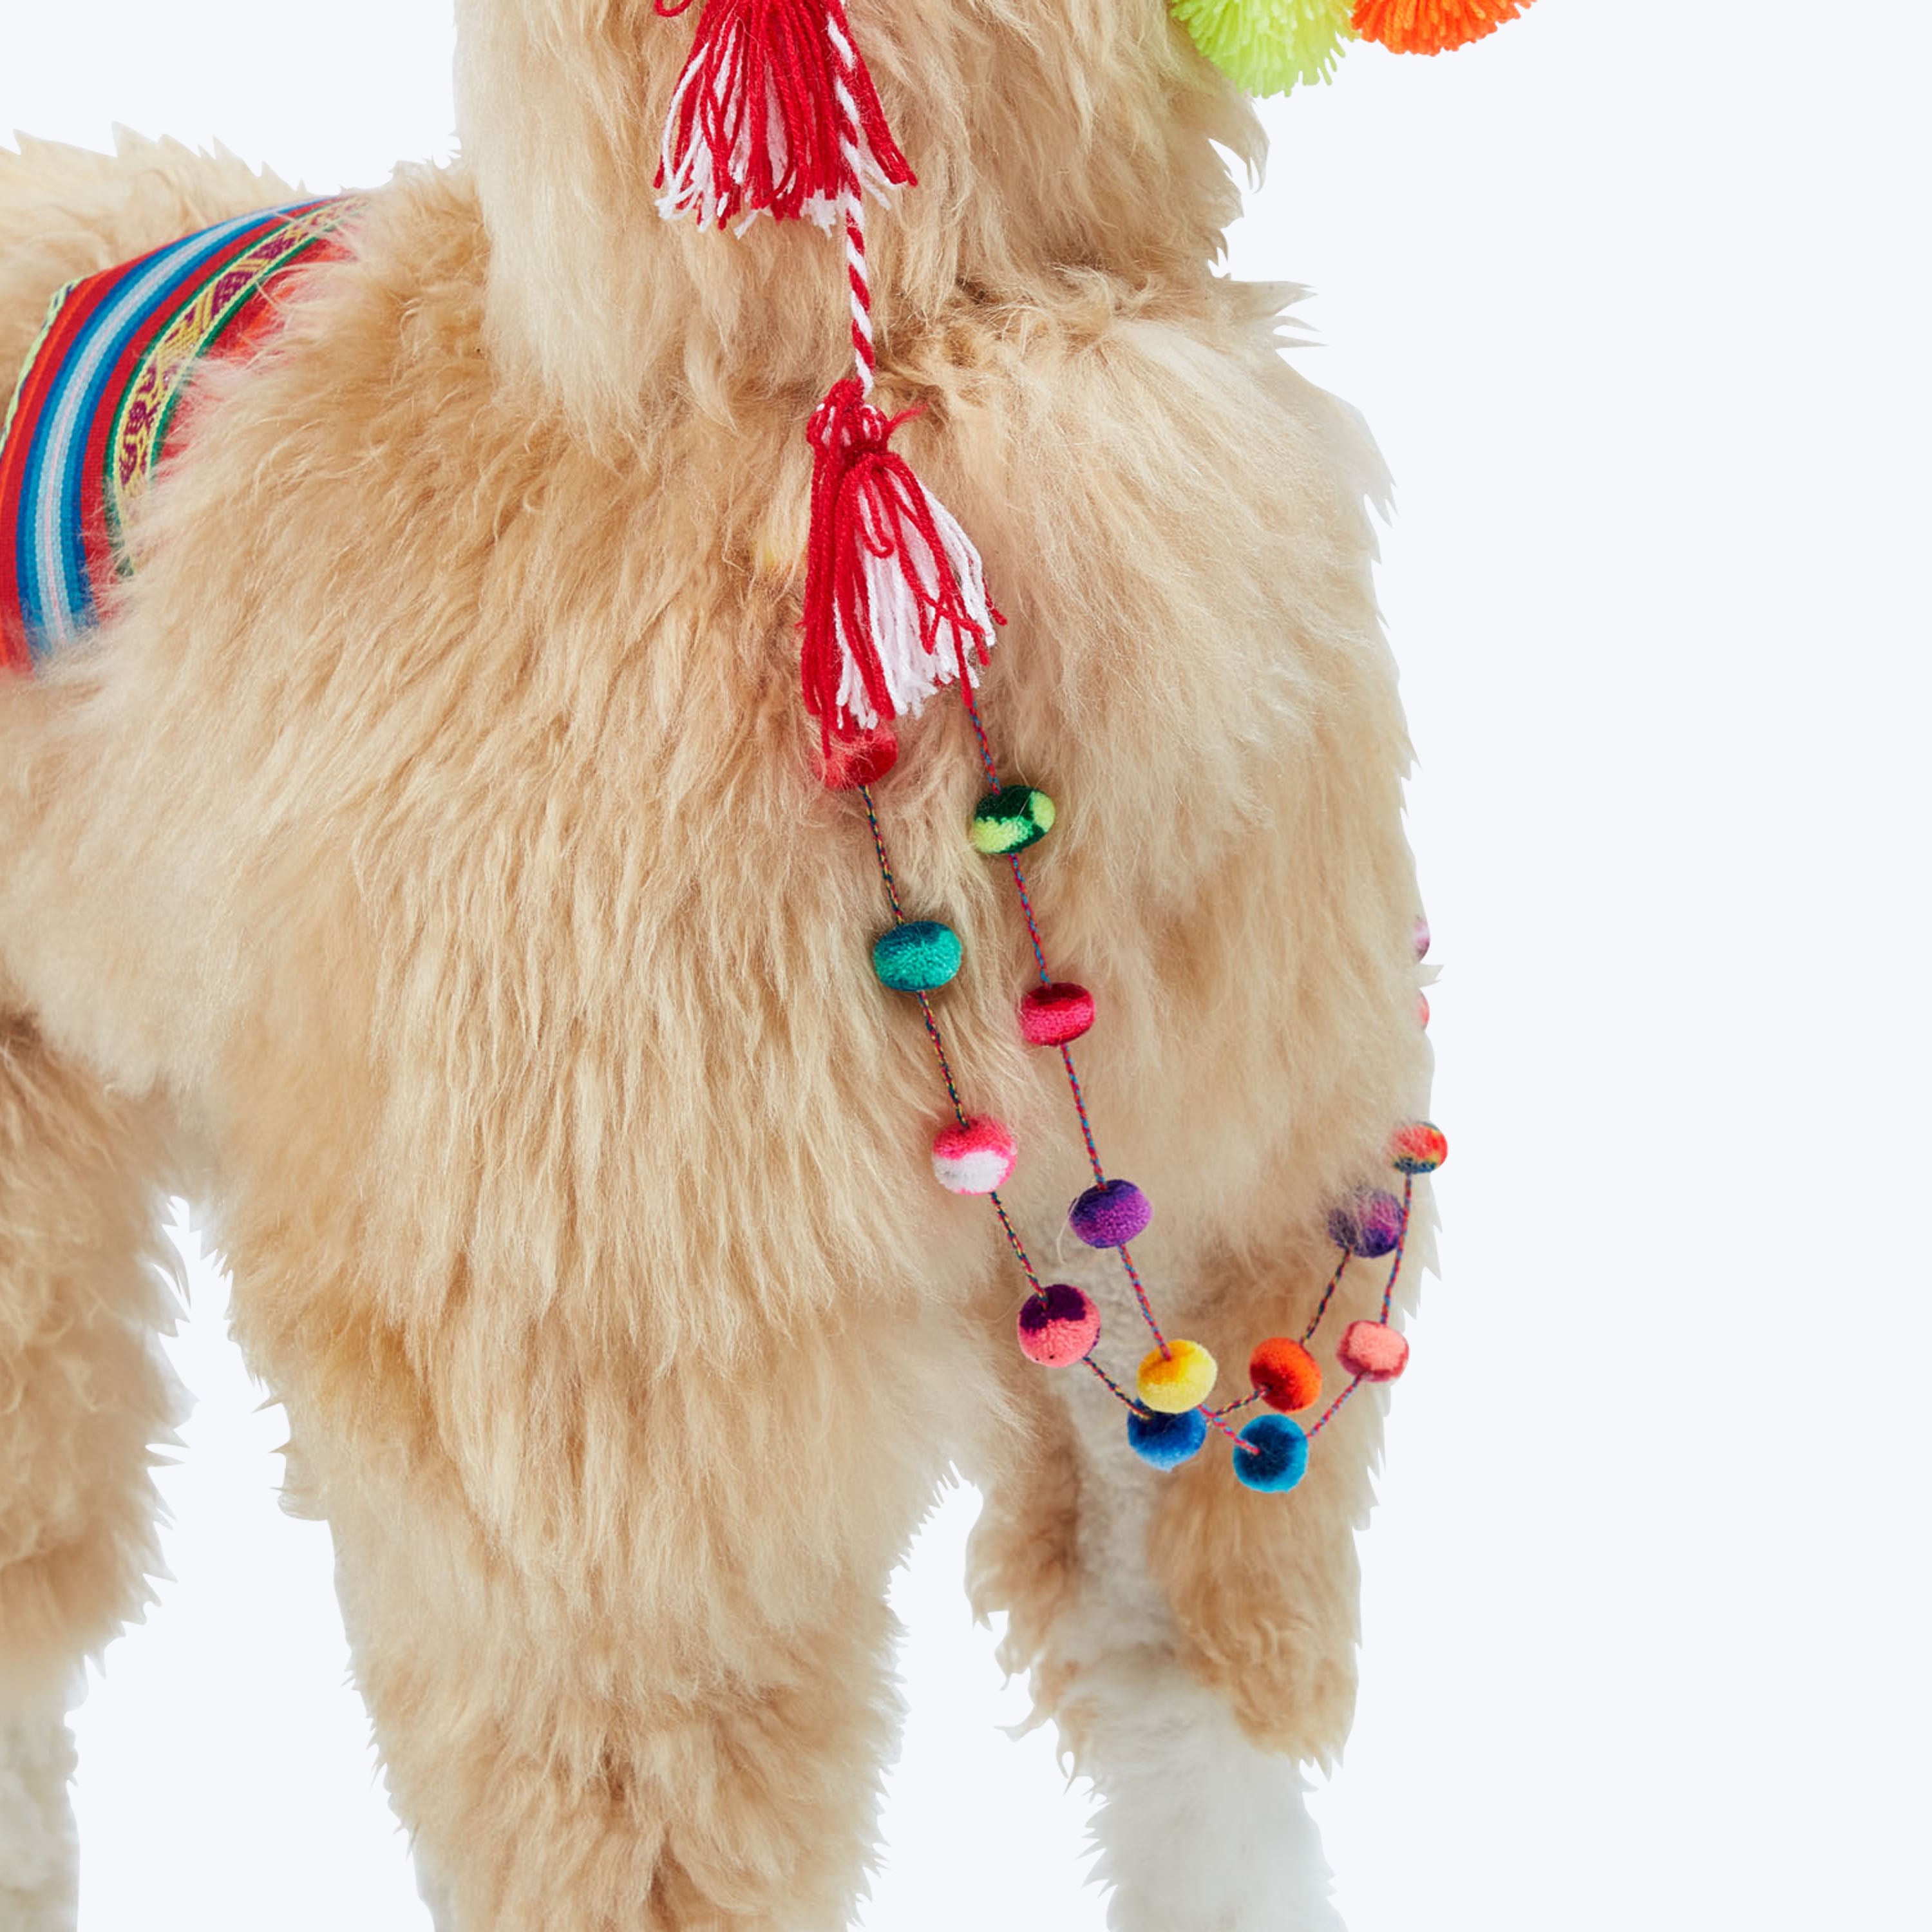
(775, 113)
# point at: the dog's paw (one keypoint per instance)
(1197, 1830)
(38, 1862)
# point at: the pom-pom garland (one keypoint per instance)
(1110, 1214)
(1420, 1147)
(1058, 1326)
(1368, 1224)
(1431, 26)
(917, 955)
(1055, 1015)
(1277, 1456)
(976, 1159)
(1285, 1375)
(775, 113)
(1166, 1441)
(1010, 820)
(1372, 1351)
(1176, 1377)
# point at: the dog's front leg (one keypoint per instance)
(622, 1627)
(1194, 1641)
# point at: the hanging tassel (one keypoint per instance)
(896, 600)
(754, 127)
(1432, 26)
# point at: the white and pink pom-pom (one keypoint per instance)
(976, 1159)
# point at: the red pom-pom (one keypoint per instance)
(753, 125)
(1287, 1375)
(844, 764)
(1054, 1015)
(895, 602)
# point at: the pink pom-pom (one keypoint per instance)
(1373, 1351)
(1422, 1008)
(1055, 1015)
(1421, 937)
(1058, 1326)
(976, 1159)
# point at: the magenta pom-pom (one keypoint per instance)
(1111, 1215)
(1056, 1015)
(1373, 1351)
(1421, 938)
(1368, 1224)
(1058, 1326)
(975, 1158)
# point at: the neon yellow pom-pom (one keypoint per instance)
(1268, 46)
(1180, 1380)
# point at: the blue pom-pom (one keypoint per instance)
(1166, 1441)
(919, 957)
(1276, 1454)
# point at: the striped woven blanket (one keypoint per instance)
(92, 416)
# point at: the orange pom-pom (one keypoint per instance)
(1432, 26)
(1287, 1375)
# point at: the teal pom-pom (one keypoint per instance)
(918, 957)
(1273, 1454)
(1268, 46)
(1165, 1441)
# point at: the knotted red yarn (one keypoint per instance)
(754, 119)
(896, 600)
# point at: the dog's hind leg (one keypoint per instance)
(85, 1395)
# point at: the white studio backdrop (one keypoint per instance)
(1632, 295)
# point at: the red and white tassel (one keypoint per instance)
(759, 116)
(895, 599)
(775, 113)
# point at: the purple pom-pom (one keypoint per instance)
(1111, 1215)
(1368, 1224)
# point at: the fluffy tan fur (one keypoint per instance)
(430, 840)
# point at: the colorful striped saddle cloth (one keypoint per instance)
(96, 405)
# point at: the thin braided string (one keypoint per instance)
(1335, 1407)
(852, 209)
(1327, 1295)
(1401, 1243)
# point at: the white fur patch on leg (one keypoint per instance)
(1197, 1831)
(39, 1859)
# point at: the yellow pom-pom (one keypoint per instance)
(1268, 46)
(1181, 1379)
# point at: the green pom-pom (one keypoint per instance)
(1268, 46)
